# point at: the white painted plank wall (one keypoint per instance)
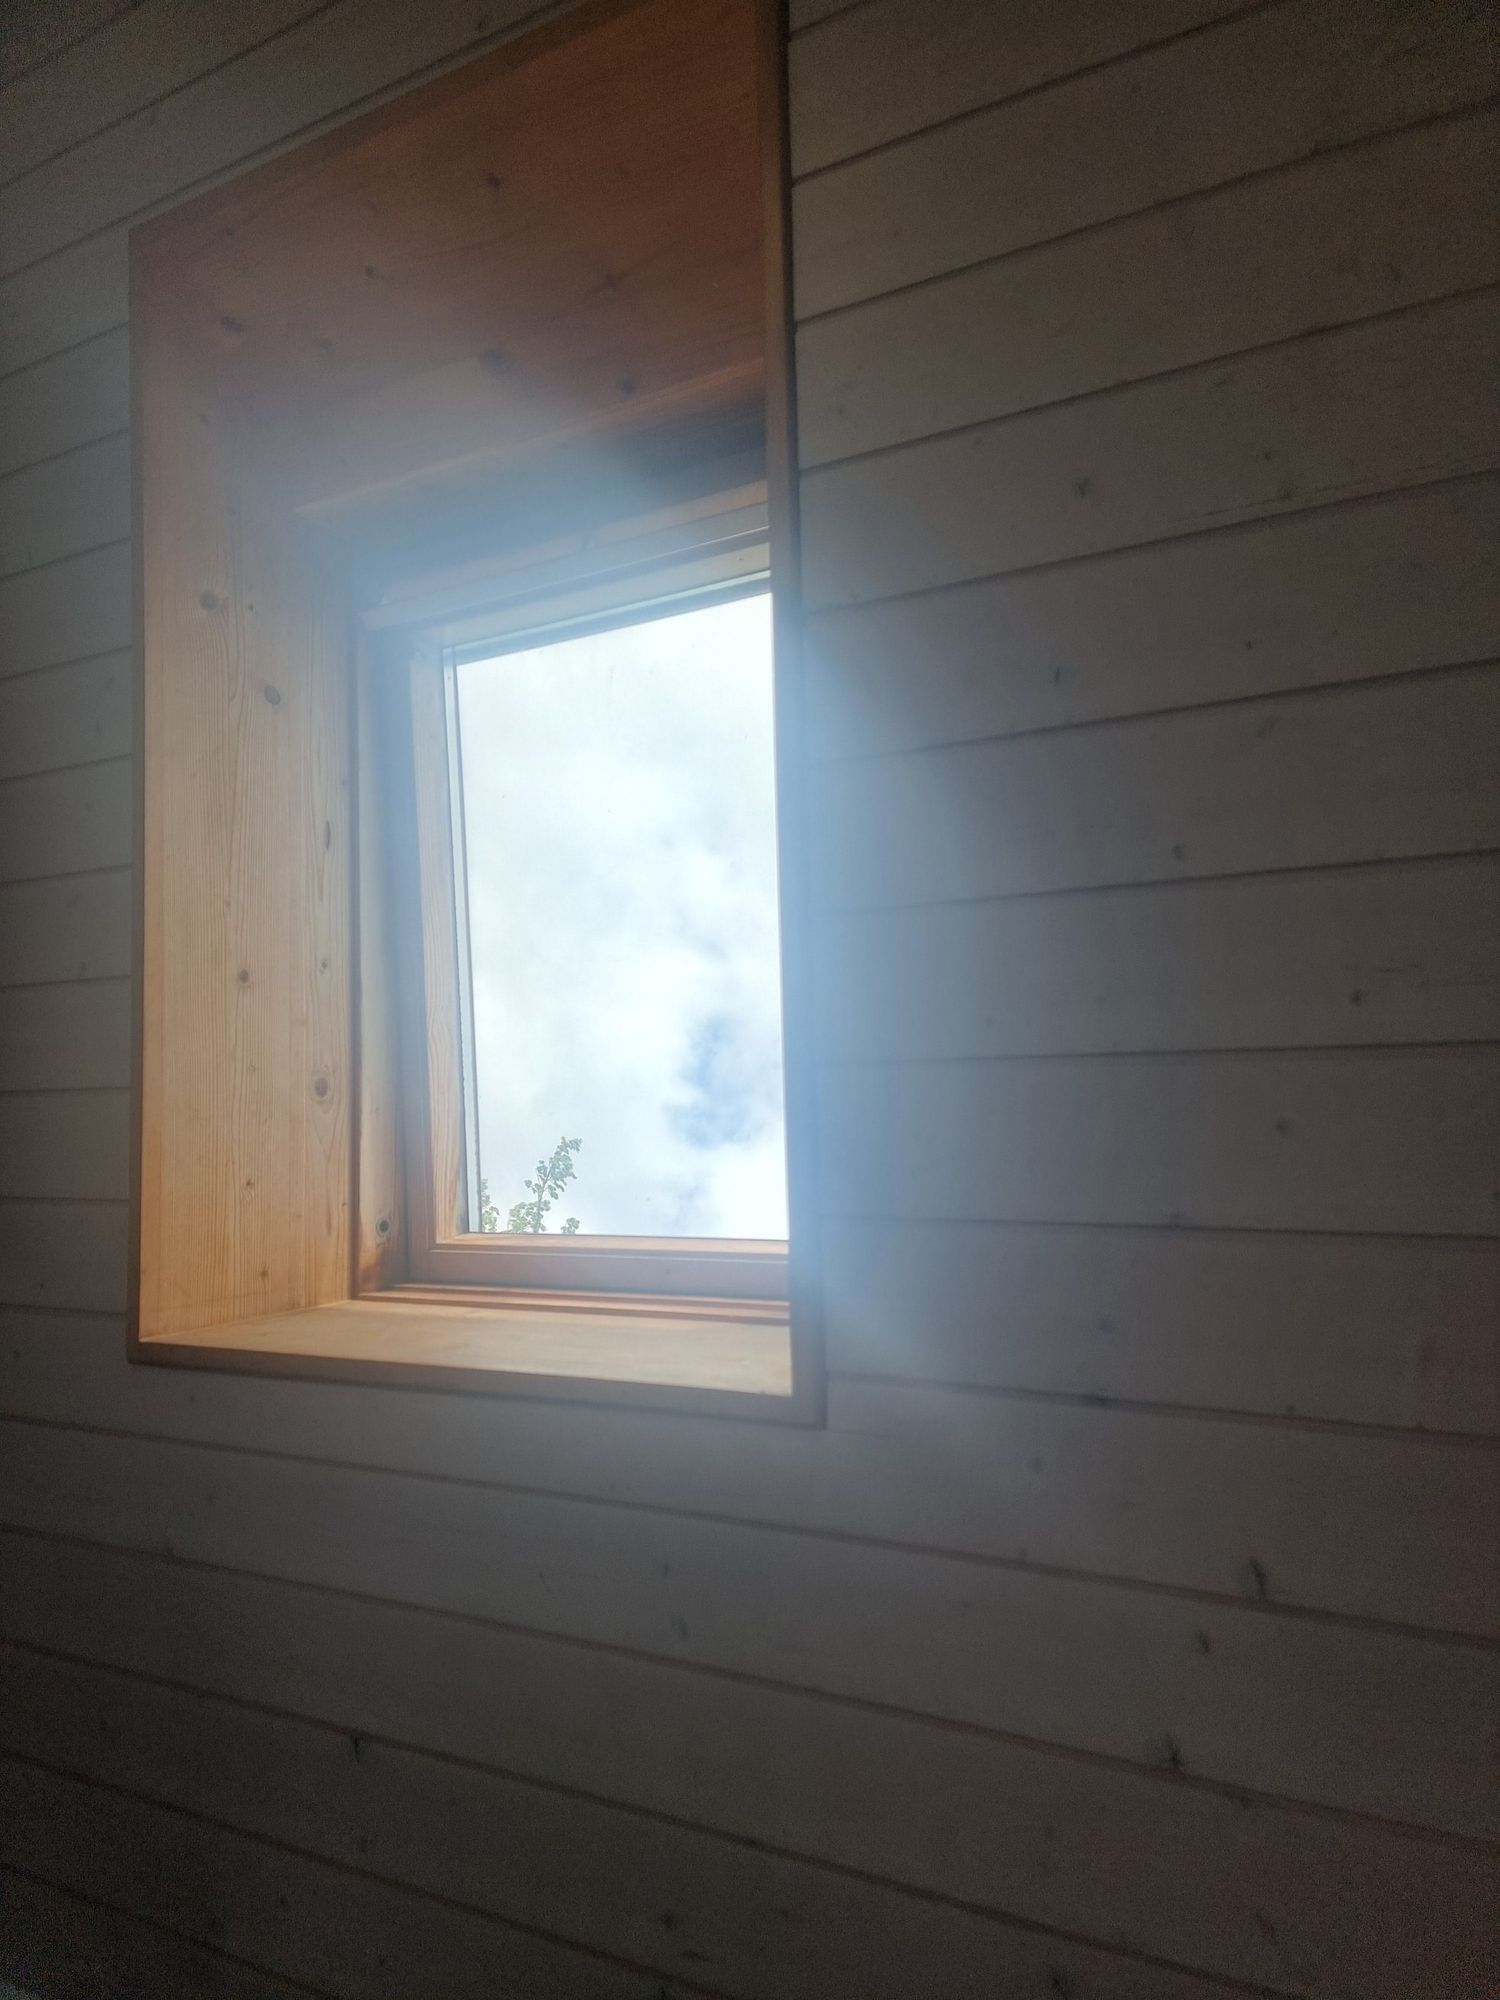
(1131, 1629)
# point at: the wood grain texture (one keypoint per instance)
(1239, 267)
(743, 1922)
(1343, 593)
(74, 927)
(1357, 1140)
(1377, 771)
(1364, 955)
(1230, 441)
(1284, 81)
(1173, 1869)
(1293, 1706)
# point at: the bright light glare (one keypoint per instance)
(620, 828)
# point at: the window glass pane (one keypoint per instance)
(620, 858)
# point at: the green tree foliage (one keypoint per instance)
(529, 1217)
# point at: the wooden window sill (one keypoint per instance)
(674, 1360)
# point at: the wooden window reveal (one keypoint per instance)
(514, 348)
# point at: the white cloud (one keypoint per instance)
(619, 805)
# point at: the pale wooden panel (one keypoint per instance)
(1237, 268)
(42, 30)
(80, 292)
(1225, 442)
(70, 928)
(1164, 1867)
(1343, 593)
(1355, 1716)
(729, 1918)
(65, 822)
(155, 48)
(71, 1949)
(66, 401)
(66, 715)
(918, 65)
(71, 610)
(1088, 1489)
(1380, 771)
(65, 505)
(1396, 1330)
(333, 61)
(1282, 83)
(332, 1930)
(1408, 953)
(65, 1145)
(1366, 1140)
(65, 1037)
(69, 1254)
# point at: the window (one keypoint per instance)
(471, 960)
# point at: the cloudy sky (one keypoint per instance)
(618, 799)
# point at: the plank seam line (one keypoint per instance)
(68, 450)
(273, 148)
(161, 1929)
(1305, 1053)
(1408, 309)
(80, 979)
(61, 770)
(8, 677)
(600, 1954)
(1476, 664)
(836, 13)
(73, 42)
(1288, 1420)
(1452, 113)
(653, 1815)
(70, 875)
(64, 1090)
(1073, 1753)
(163, 96)
(972, 112)
(1254, 524)
(1419, 857)
(1269, 1607)
(1451, 1239)
(61, 353)
(68, 555)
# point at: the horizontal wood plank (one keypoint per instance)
(71, 399)
(1171, 1869)
(41, 32)
(332, 1930)
(1240, 267)
(1093, 1490)
(1394, 1330)
(1377, 587)
(1230, 441)
(1370, 1140)
(65, 505)
(65, 1037)
(61, 716)
(68, 1254)
(734, 1919)
(152, 50)
(65, 1145)
(1383, 771)
(81, 292)
(1284, 82)
(71, 1949)
(920, 65)
(1321, 958)
(1290, 1705)
(65, 822)
(69, 928)
(71, 610)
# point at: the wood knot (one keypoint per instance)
(272, 695)
(210, 600)
(321, 1086)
